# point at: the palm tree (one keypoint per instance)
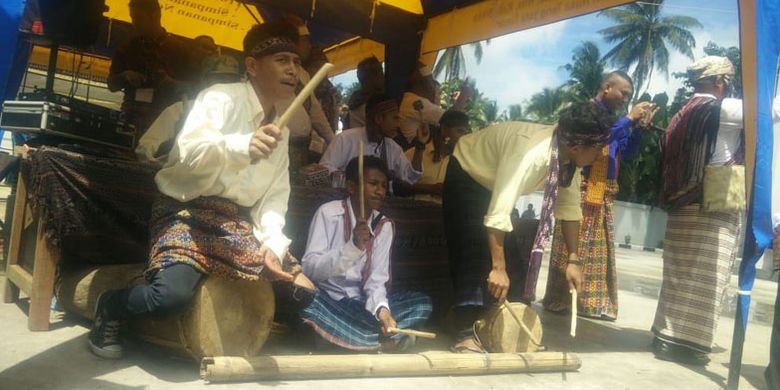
(544, 106)
(515, 112)
(642, 36)
(452, 62)
(585, 72)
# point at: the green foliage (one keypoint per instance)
(481, 110)
(640, 177)
(642, 37)
(452, 62)
(544, 106)
(346, 92)
(515, 113)
(585, 72)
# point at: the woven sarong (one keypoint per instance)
(699, 253)
(349, 325)
(211, 234)
(599, 296)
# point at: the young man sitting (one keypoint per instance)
(377, 137)
(224, 192)
(349, 260)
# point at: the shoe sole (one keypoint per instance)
(104, 353)
(101, 352)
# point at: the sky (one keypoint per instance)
(517, 65)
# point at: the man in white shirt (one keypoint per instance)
(224, 192)
(381, 127)
(349, 259)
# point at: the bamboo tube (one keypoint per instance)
(307, 90)
(361, 182)
(412, 332)
(298, 367)
(522, 325)
(573, 328)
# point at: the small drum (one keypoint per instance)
(500, 332)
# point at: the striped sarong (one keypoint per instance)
(211, 234)
(349, 325)
(699, 252)
(599, 296)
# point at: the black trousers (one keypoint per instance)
(168, 292)
(772, 373)
(464, 205)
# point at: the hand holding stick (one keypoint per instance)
(522, 325)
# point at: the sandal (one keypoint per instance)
(476, 347)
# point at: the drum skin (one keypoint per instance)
(499, 332)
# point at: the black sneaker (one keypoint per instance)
(105, 337)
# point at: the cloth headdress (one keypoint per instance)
(710, 66)
(571, 137)
(273, 45)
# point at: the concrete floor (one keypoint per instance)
(614, 355)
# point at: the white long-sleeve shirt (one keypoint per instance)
(211, 158)
(429, 113)
(346, 146)
(162, 130)
(337, 266)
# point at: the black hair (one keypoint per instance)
(145, 5)
(452, 118)
(618, 73)
(363, 64)
(375, 100)
(369, 162)
(585, 122)
(261, 32)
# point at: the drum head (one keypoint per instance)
(500, 332)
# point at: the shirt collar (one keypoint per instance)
(697, 94)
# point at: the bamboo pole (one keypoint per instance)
(298, 367)
(307, 90)
(412, 332)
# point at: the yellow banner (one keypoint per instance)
(346, 55)
(72, 63)
(227, 21)
(492, 18)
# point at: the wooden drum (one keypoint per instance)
(226, 317)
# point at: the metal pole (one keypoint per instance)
(51, 71)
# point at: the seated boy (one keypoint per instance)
(349, 260)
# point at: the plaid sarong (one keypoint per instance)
(349, 325)
(699, 253)
(599, 296)
(211, 234)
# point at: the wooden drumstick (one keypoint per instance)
(307, 90)
(573, 328)
(425, 335)
(522, 324)
(360, 183)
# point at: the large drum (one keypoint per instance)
(226, 317)
(500, 331)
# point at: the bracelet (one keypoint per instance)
(575, 262)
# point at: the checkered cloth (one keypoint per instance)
(348, 324)
(699, 253)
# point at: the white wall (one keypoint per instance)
(645, 224)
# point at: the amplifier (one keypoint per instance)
(76, 120)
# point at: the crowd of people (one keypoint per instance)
(226, 171)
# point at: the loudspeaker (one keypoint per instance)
(66, 22)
